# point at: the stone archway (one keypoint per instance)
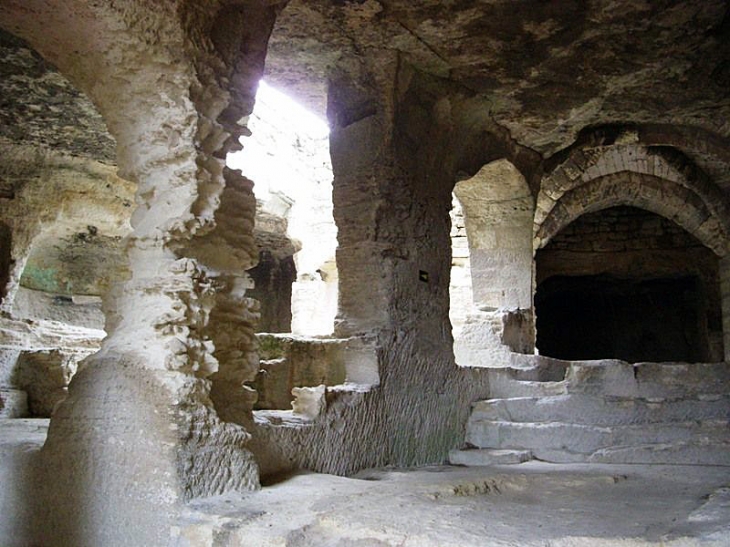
(640, 167)
(648, 192)
(624, 283)
(498, 211)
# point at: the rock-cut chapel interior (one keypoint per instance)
(473, 290)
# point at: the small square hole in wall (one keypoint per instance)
(423, 276)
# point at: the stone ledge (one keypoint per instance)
(486, 456)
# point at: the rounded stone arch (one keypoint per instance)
(583, 165)
(704, 150)
(651, 193)
(483, 145)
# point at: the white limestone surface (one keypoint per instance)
(526, 505)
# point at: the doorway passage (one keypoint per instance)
(624, 283)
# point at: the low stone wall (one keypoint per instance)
(290, 361)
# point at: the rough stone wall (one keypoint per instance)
(627, 242)
(461, 301)
(392, 210)
(622, 229)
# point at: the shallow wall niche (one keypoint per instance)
(498, 210)
(628, 284)
(70, 267)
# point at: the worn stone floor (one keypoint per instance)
(531, 504)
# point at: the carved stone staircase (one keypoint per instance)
(602, 412)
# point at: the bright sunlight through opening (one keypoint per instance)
(287, 157)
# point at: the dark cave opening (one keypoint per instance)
(604, 317)
(625, 283)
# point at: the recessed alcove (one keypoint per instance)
(628, 284)
(598, 317)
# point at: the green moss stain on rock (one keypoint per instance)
(40, 279)
(272, 347)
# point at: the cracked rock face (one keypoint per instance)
(544, 71)
(41, 107)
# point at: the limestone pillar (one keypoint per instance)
(359, 203)
(139, 434)
(392, 197)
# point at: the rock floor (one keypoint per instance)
(534, 503)
(530, 504)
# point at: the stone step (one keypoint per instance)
(601, 411)
(705, 452)
(688, 453)
(613, 378)
(30, 432)
(535, 368)
(671, 380)
(486, 456)
(585, 440)
(504, 386)
(648, 380)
